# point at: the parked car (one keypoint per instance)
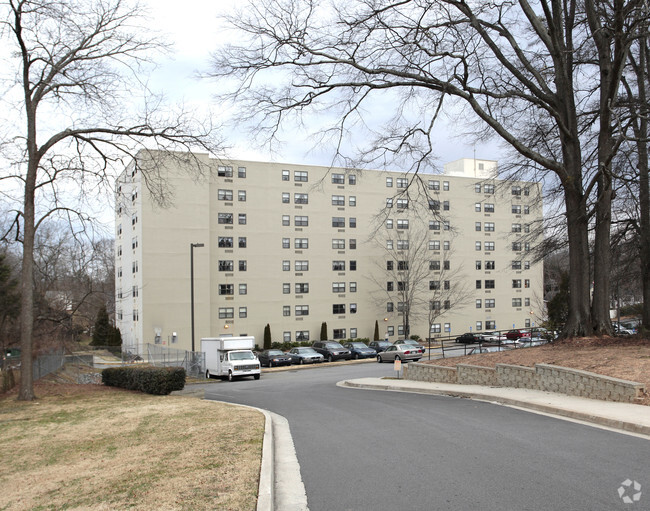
(332, 350)
(360, 350)
(517, 333)
(620, 329)
(305, 355)
(379, 346)
(271, 358)
(469, 337)
(527, 342)
(412, 343)
(404, 352)
(490, 349)
(494, 336)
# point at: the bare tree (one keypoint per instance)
(543, 77)
(78, 69)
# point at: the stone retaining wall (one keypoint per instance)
(546, 377)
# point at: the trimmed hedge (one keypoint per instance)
(148, 379)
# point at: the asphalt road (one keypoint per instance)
(375, 450)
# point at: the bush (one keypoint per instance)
(148, 379)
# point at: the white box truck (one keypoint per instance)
(230, 357)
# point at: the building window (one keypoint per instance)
(243, 265)
(242, 218)
(402, 182)
(477, 187)
(389, 202)
(224, 195)
(488, 208)
(338, 308)
(478, 284)
(302, 265)
(389, 182)
(434, 285)
(226, 312)
(477, 245)
(134, 291)
(516, 227)
(352, 243)
(516, 246)
(352, 179)
(302, 310)
(402, 203)
(516, 209)
(479, 326)
(402, 224)
(435, 328)
(338, 287)
(527, 246)
(434, 205)
(243, 312)
(488, 189)
(489, 246)
(446, 245)
(225, 218)
(434, 265)
(134, 219)
(241, 195)
(489, 227)
(302, 288)
(489, 265)
(516, 283)
(338, 179)
(445, 205)
(516, 265)
(516, 190)
(286, 288)
(301, 243)
(489, 303)
(241, 172)
(352, 222)
(134, 267)
(300, 198)
(226, 265)
(286, 242)
(226, 289)
(338, 333)
(286, 220)
(353, 266)
(242, 242)
(402, 265)
(389, 244)
(225, 242)
(479, 303)
(390, 307)
(119, 230)
(243, 289)
(286, 265)
(477, 226)
(526, 210)
(286, 336)
(300, 176)
(136, 315)
(353, 333)
(389, 224)
(390, 331)
(224, 171)
(447, 327)
(338, 200)
(352, 201)
(516, 302)
(434, 244)
(434, 225)
(338, 265)
(478, 265)
(527, 302)
(489, 284)
(285, 175)
(353, 287)
(286, 310)
(286, 198)
(477, 207)
(490, 325)
(390, 286)
(434, 185)
(389, 265)
(338, 221)
(302, 335)
(301, 221)
(526, 283)
(526, 265)
(446, 226)
(446, 285)
(447, 265)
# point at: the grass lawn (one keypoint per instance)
(95, 447)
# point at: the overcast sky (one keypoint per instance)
(195, 31)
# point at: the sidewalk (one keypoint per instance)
(624, 416)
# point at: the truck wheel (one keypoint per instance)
(229, 375)
(256, 376)
(207, 374)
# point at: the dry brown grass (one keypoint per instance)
(94, 447)
(624, 358)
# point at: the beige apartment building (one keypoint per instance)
(293, 246)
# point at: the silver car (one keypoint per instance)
(404, 352)
(305, 356)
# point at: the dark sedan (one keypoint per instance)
(469, 337)
(305, 356)
(379, 346)
(360, 350)
(273, 358)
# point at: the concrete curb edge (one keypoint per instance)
(591, 418)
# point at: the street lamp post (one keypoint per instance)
(192, 245)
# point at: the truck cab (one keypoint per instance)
(230, 357)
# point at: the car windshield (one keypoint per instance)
(358, 345)
(274, 352)
(242, 355)
(333, 345)
(306, 351)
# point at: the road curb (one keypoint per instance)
(486, 396)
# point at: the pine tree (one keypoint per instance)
(102, 331)
(323, 331)
(267, 337)
(376, 336)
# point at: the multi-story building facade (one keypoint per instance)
(293, 246)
